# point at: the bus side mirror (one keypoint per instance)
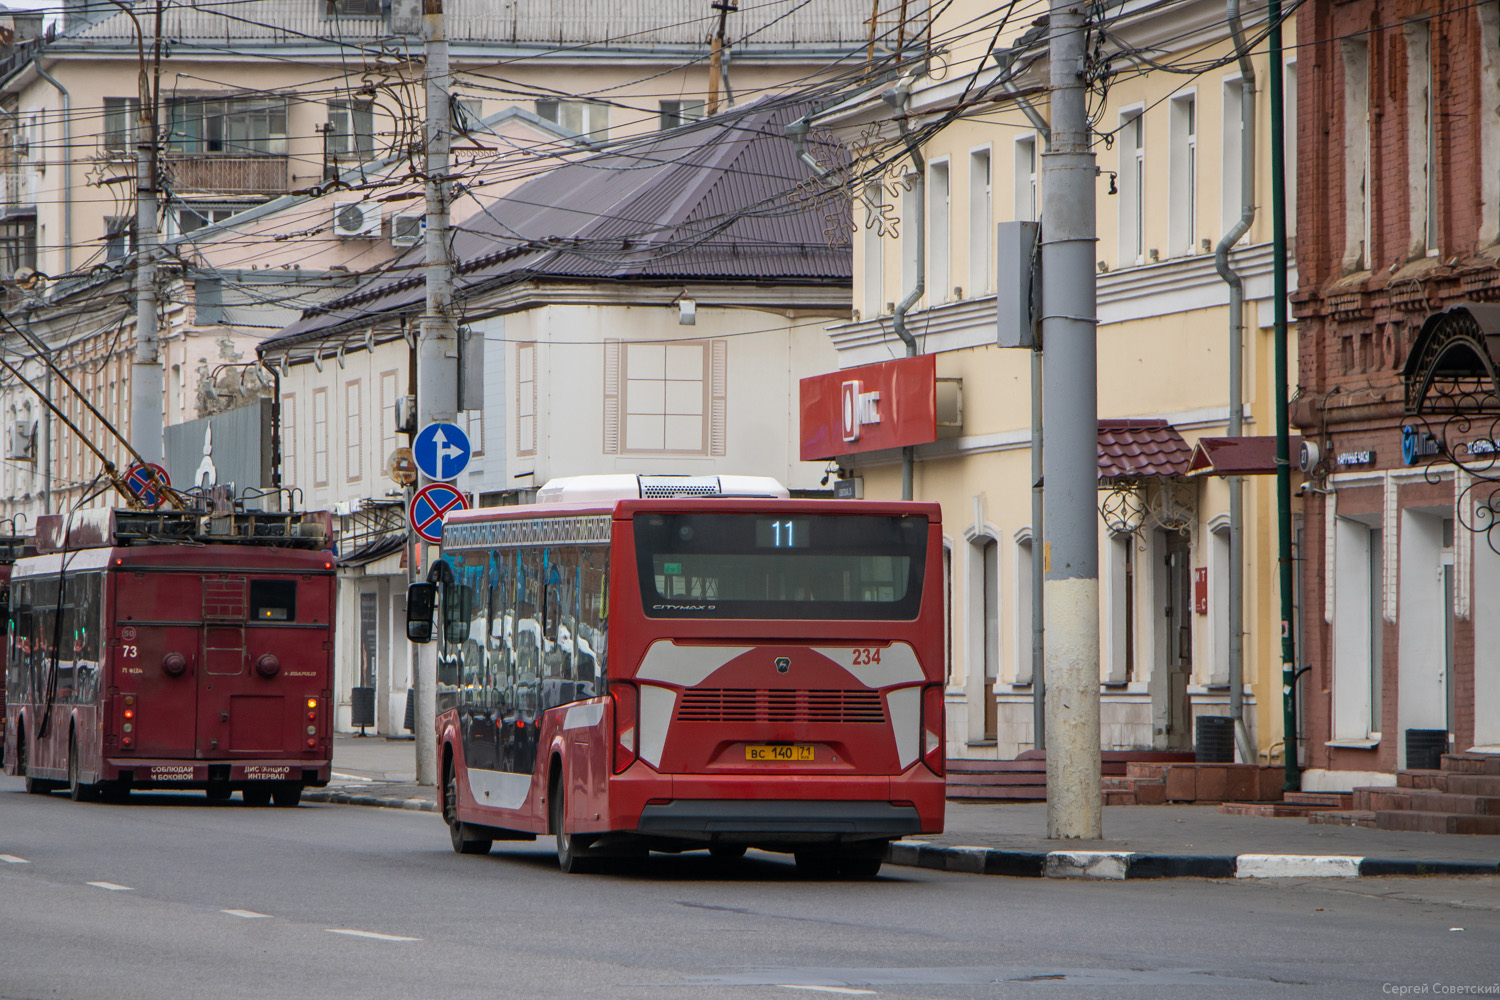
(420, 598)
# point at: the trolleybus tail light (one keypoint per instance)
(312, 710)
(626, 700)
(127, 725)
(932, 729)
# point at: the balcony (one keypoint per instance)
(18, 195)
(207, 173)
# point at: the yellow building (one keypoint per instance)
(1167, 107)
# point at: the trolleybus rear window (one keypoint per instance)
(771, 566)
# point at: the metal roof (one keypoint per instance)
(1141, 449)
(712, 201)
(564, 25)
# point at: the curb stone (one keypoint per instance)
(1088, 865)
(1111, 865)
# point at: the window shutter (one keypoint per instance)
(611, 397)
(719, 379)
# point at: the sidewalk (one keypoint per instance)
(1010, 838)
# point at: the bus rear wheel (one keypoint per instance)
(287, 795)
(78, 791)
(461, 845)
(570, 851)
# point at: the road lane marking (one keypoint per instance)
(828, 989)
(349, 777)
(247, 914)
(370, 934)
(11, 859)
(112, 887)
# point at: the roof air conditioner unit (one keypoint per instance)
(408, 230)
(355, 219)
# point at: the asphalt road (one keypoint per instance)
(171, 896)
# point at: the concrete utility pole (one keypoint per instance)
(1071, 460)
(146, 411)
(716, 64)
(437, 340)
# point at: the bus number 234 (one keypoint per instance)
(865, 657)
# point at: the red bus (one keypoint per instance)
(703, 669)
(11, 549)
(172, 650)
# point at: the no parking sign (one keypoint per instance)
(429, 506)
(146, 482)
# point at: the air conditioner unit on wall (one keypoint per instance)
(20, 445)
(407, 230)
(356, 219)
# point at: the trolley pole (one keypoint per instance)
(437, 340)
(1071, 460)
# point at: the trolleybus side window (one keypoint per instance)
(861, 567)
(273, 600)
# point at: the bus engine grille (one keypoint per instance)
(752, 705)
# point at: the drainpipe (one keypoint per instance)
(899, 97)
(67, 159)
(1236, 403)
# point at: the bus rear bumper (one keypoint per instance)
(168, 773)
(777, 818)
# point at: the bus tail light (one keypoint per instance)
(626, 726)
(932, 730)
(127, 725)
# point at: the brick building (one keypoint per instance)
(1398, 257)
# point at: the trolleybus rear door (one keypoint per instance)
(220, 698)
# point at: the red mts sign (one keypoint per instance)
(887, 405)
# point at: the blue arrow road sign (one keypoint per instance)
(429, 506)
(442, 451)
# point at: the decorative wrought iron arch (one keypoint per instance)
(1452, 396)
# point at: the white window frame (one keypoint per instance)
(910, 226)
(873, 246)
(1024, 205)
(1182, 209)
(1232, 145)
(1021, 601)
(939, 232)
(320, 436)
(1356, 615)
(1289, 142)
(354, 415)
(1117, 580)
(1355, 54)
(1132, 174)
(1421, 139)
(981, 221)
(1489, 124)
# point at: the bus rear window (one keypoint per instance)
(768, 566)
(273, 600)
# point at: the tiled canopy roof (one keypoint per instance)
(1141, 449)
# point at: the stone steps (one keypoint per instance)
(1343, 817)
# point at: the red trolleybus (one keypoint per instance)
(172, 650)
(689, 667)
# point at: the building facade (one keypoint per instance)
(1400, 171)
(1172, 151)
